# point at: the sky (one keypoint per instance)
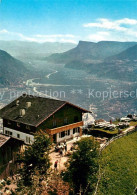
(68, 20)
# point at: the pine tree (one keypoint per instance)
(83, 167)
(34, 162)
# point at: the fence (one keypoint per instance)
(131, 129)
(124, 133)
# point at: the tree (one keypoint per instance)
(83, 167)
(34, 161)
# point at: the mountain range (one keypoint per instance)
(11, 70)
(129, 54)
(29, 50)
(107, 59)
(90, 52)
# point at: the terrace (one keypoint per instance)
(109, 129)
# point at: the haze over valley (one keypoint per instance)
(87, 75)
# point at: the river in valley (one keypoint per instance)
(108, 99)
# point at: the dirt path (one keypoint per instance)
(61, 159)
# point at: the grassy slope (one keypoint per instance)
(119, 165)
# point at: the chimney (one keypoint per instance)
(28, 104)
(22, 112)
(17, 102)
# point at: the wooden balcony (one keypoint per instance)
(64, 128)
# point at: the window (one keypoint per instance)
(28, 127)
(62, 134)
(59, 135)
(18, 124)
(76, 130)
(65, 121)
(9, 123)
(6, 132)
(9, 133)
(67, 132)
(54, 123)
(27, 139)
(18, 135)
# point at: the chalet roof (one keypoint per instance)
(40, 109)
(3, 139)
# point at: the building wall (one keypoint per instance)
(59, 139)
(27, 138)
(67, 112)
(19, 126)
(8, 156)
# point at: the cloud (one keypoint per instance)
(64, 38)
(132, 32)
(55, 36)
(118, 25)
(117, 30)
(111, 36)
(102, 29)
(99, 36)
(3, 31)
(68, 41)
(127, 21)
(8, 35)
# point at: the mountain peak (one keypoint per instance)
(85, 43)
(90, 51)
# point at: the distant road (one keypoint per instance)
(47, 76)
